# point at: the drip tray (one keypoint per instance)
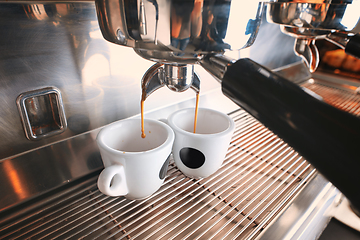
(259, 177)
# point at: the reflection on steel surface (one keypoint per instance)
(180, 29)
(176, 33)
(17, 182)
(314, 15)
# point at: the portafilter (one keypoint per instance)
(308, 21)
(176, 34)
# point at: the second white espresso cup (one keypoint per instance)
(200, 154)
(135, 167)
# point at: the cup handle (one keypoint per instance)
(112, 181)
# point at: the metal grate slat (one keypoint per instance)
(268, 196)
(244, 194)
(347, 100)
(237, 170)
(227, 197)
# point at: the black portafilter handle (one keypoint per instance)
(327, 137)
(353, 46)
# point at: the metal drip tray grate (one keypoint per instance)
(260, 175)
(346, 100)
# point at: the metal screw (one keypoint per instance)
(120, 36)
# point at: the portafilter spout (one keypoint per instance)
(177, 78)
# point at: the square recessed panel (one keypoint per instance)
(42, 113)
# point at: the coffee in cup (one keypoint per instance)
(200, 154)
(135, 167)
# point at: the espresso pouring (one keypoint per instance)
(143, 97)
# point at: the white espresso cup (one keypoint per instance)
(200, 154)
(135, 167)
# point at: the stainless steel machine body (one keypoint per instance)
(55, 61)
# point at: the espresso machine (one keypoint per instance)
(69, 68)
(321, 133)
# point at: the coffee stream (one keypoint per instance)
(196, 111)
(143, 97)
(143, 135)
